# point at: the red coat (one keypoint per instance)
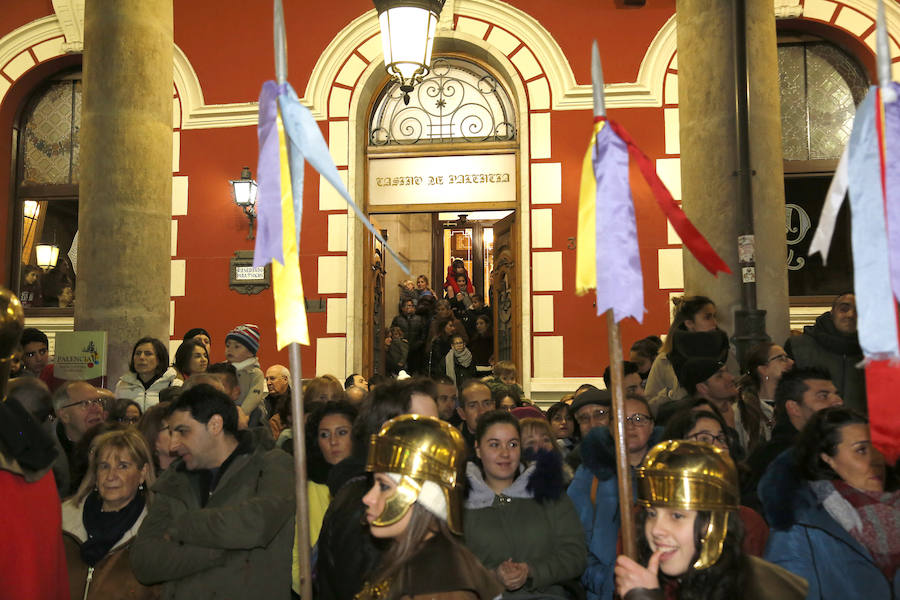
(32, 557)
(450, 282)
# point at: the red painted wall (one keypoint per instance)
(231, 52)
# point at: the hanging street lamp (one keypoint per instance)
(407, 37)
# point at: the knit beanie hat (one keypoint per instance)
(247, 334)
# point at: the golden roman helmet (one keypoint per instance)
(692, 476)
(428, 456)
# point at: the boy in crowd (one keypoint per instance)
(241, 346)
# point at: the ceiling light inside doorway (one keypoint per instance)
(407, 37)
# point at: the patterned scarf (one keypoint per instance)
(879, 517)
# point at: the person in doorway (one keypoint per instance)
(481, 342)
(397, 351)
(415, 332)
(458, 363)
(458, 267)
(461, 301)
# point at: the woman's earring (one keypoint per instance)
(141, 487)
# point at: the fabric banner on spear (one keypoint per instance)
(607, 257)
(288, 136)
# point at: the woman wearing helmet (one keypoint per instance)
(416, 501)
(689, 533)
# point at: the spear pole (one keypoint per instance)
(299, 433)
(623, 468)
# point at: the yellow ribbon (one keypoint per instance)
(290, 307)
(585, 249)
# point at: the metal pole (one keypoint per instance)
(298, 420)
(626, 497)
(749, 322)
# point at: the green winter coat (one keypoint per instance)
(238, 546)
(547, 535)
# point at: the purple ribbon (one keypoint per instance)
(892, 184)
(620, 283)
(268, 173)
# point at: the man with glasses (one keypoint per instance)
(35, 350)
(594, 490)
(78, 407)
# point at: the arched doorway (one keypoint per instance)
(442, 181)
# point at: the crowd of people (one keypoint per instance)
(452, 484)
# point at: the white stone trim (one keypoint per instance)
(71, 19)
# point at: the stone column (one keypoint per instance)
(709, 159)
(125, 207)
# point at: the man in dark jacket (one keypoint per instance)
(800, 394)
(415, 332)
(832, 343)
(222, 520)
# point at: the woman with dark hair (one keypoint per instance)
(482, 341)
(191, 357)
(562, 422)
(440, 346)
(506, 398)
(763, 367)
(519, 521)
(709, 427)
(415, 504)
(102, 518)
(643, 353)
(689, 533)
(156, 433)
(148, 373)
(346, 551)
(124, 411)
(834, 510)
(695, 313)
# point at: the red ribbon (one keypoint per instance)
(689, 234)
(882, 383)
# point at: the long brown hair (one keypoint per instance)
(406, 545)
(683, 309)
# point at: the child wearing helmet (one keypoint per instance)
(689, 533)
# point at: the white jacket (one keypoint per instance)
(130, 387)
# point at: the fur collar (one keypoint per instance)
(542, 480)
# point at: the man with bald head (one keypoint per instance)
(78, 407)
(278, 379)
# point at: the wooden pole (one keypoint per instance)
(623, 468)
(298, 420)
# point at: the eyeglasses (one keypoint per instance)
(639, 420)
(780, 358)
(34, 353)
(708, 438)
(128, 420)
(85, 404)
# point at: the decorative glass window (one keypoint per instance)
(459, 101)
(47, 195)
(821, 85)
(820, 88)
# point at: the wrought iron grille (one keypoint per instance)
(458, 101)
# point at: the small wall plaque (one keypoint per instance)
(244, 278)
